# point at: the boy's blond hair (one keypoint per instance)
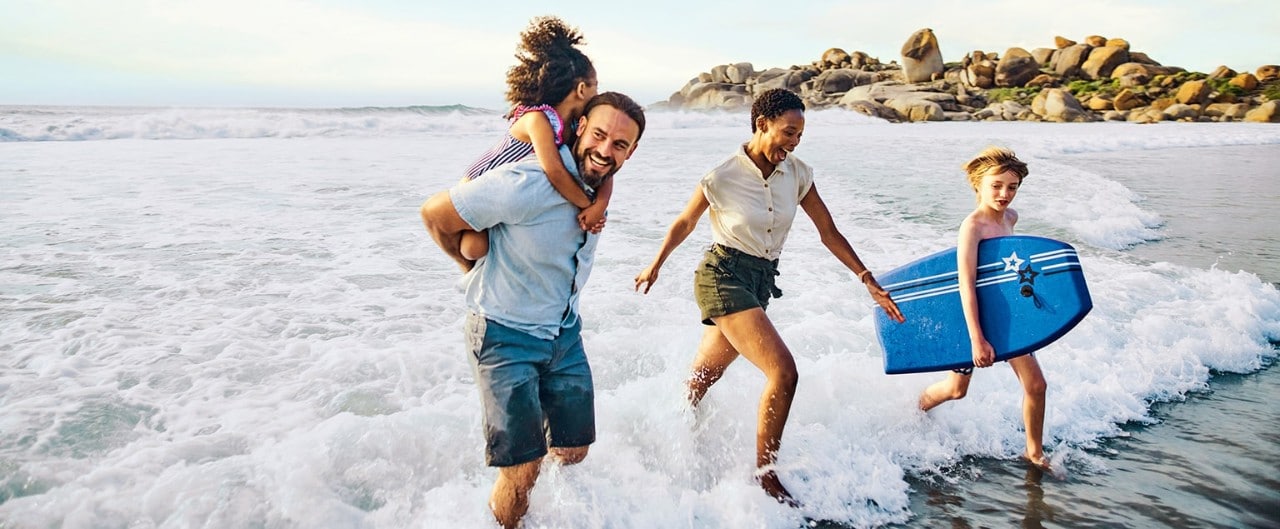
(994, 160)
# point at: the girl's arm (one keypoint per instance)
(680, 229)
(592, 218)
(535, 128)
(839, 247)
(967, 271)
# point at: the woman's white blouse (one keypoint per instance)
(750, 212)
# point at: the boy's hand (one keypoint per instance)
(983, 354)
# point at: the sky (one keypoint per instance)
(348, 53)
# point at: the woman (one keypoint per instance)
(753, 198)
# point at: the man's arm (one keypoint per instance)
(446, 226)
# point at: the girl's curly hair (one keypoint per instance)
(550, 64)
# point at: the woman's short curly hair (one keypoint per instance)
(549, 64)
(773, 103)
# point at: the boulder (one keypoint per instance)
(859, 60)
(1100, 102)
(715, 96)
(1063, 42)
(842, 79)
(1162, 103)
(1096, 41)
(1058, 105)
(978, 71)
(1226, 111)
(1070, 59)
(1127, 100)
(916, 109)
(1043, 80)
(1267, 72)
(1118, 43)
(780, 78)
(1268, 112)
(1043, 55)
(1194, 92)
(1131, 74)
(719, 74)
(1245, 80)
(1146, 115)
(1222, 72)
(1137, 56)
(739, 73)
(1181, 112)
(834, 58)
(873, 109)
(1102, 61)
(1016, 68)
(921, 57)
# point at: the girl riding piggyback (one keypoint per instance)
(548, 88)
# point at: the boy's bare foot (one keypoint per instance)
(772, 486)
(1039, 460)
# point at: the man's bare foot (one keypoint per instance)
(772, 486)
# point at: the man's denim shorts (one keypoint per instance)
(535, 393)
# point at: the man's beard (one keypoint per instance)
(594, 182)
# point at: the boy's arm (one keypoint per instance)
(538, 128)
(967, 273)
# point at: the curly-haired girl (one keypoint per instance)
(548, 88)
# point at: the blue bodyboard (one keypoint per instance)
(1031, 291)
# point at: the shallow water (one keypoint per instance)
(249, 327)
(1208, 461)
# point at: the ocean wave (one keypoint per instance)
(41, 124)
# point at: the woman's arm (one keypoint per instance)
(839, 247)
(680, 229)
(537, 128)
(967, 272)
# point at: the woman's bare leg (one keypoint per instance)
(753, 336)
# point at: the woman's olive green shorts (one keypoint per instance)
(730, 280)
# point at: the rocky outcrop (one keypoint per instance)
(1095, 79)
(921, 57)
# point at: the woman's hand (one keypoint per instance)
(648, 277)
(983, 354)
(881, 297)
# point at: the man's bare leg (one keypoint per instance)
(510, 498)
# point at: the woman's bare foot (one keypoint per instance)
(772, 486)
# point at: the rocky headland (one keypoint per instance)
(1094, 80)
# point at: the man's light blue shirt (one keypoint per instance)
(539, 258)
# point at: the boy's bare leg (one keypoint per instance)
(954, 387)
(1034, 389)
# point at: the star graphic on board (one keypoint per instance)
(1012, 263)
(1027, 275)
